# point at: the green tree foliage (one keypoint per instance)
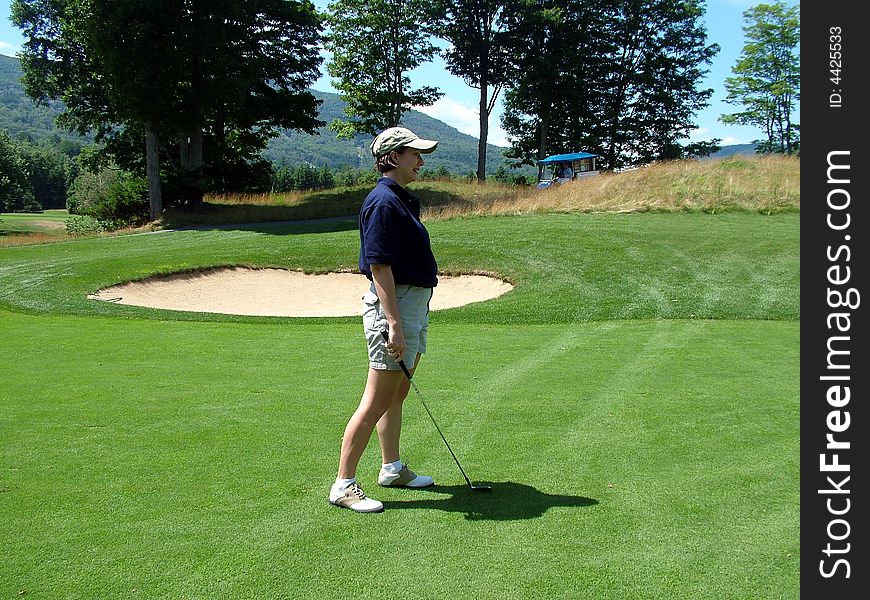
(32, 177)
(113, 197)
(766, 79)
(303, 177)
(541, 91)
(374, 44)
(614, 77)
(51, 172)
(438, 174)
(207, 79)
(111, 63)
(15, 194)
(479, 53)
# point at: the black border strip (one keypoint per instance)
(834, 264)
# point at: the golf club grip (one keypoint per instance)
(402, 364)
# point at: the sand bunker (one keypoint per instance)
(281, 293)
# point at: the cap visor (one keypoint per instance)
(424, 146)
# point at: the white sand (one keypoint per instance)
(282, 293)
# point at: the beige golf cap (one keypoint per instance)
(399, 137)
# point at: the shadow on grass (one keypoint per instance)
(340, 206)
(288, 227)
(508, 501)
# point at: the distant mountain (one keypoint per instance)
(22, 118)
(734, 149)
(456, 151)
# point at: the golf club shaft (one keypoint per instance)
(429, 412)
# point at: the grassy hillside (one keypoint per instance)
(765, 184)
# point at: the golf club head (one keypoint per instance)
(481, 488)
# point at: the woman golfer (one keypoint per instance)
(397, 258)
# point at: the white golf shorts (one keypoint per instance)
(414, 311)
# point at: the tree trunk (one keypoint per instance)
(220, 142)
(545, 131)
(484, 133)
(155, 198)
(195, 149)
(194, 166)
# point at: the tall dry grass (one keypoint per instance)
(27, 238)
(764, 184)
(757, 183)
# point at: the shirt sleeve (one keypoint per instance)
(381, 243)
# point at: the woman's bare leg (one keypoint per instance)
(382, 388)
(390, 424)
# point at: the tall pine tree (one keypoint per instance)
(618, 78)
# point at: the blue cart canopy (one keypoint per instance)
(566, 157)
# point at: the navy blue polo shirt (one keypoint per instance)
(391, 233)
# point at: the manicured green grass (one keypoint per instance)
(33, 228)
(566, 268)
(633, 402)
(48, 221)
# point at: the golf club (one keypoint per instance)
(474, 488)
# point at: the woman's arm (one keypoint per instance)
(385, 286)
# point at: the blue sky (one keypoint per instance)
(458, 107)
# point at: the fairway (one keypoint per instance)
(634, 402)
(49, 221)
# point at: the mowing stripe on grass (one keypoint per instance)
(189, 456)
(193, 460)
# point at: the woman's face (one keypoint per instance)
(408, 164)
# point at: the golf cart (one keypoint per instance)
(565, 167)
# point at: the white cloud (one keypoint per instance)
(729, 140)
(7, 48)
(464, 118)
(699, 134)
(703, 135)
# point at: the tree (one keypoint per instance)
(251, 65)
(374, 44)
(660, 63)
(15, 194)
(168, 71)
(110, 65)
(766, 78)
(556, 56)
(615, 77)
(479, 54)
(50, 174)
(32, 177)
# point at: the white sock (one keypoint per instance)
(393, 467)
(341, 484)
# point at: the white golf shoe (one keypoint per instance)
(404, 478)
(354, 498)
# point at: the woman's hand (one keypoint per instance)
(396, 345)
(385, 286)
